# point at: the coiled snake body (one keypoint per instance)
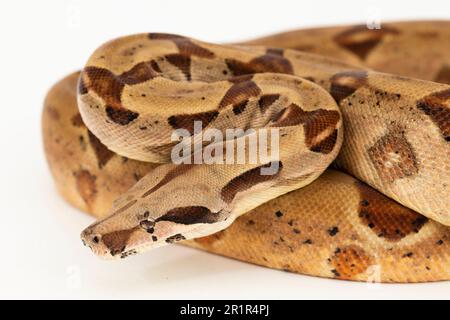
(134, 91)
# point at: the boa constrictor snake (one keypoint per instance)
(107, 129)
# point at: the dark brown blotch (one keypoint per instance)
(266, 63)
(109, 87)
(182, 62)
(186, 121)
(315, 122)
(117, 241)
(155, 66)
(326, 145)
(361, 40)
(318, 122)
(82, 89)
(271, 63)
(292, 115)
(248, 180)
(437, 107)
(105, 84)
(344, 84)
(239, 92)
(240, 107)
(121, 115)
(139, 73)
(266, 101)
(385, 217)
(393, 157)
(190, 215)
(333, 231)
(239, 68)
(102, 153)
(187, 47)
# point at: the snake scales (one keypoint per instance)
(135, 90)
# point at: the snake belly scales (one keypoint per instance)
(373, 104)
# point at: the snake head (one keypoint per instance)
(172, 204)
(108, 239)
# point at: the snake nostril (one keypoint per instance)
(96, 239)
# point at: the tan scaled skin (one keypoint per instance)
(336, 227)
(346, 83)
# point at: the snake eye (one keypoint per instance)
(90, 240)
(147, 225)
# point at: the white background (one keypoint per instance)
(41, 255)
